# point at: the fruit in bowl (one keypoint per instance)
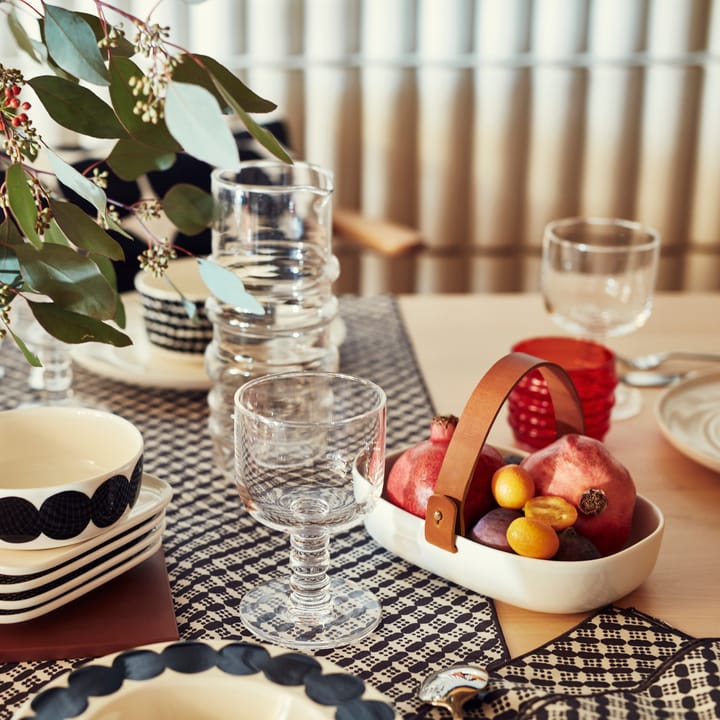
(413, 477)
(575, 482)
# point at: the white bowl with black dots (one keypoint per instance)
(168, 324)
(66, 474)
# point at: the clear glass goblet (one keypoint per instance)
(597, 279)
(310, 460)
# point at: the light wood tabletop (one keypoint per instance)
(458, 337)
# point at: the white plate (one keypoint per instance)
(551, 586)
(10, 585)
(42, 595)
(689, 417)
(142, 363)
(97, 581)
(154, 496)
(210, 679)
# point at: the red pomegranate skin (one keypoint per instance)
(576, 467)
(412, 479)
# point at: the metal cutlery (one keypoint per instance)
(651, 361)
(452, 687)
(648, 379)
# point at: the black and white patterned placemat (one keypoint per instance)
(215, 551)
(618, 663)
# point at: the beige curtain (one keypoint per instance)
(477, 121)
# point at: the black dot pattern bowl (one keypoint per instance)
(65, 515)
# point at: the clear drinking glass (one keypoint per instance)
(597, 279)
(310, 461)
(273, 229)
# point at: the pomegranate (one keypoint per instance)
(412, 479)
(582, 470)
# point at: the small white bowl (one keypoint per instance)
(550, 586)
(66, 474)
(167, 323)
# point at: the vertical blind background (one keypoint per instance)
(477, 121)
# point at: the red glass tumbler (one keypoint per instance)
(591, 367)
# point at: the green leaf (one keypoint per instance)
(55, 235)
(236, 88)
(208, 73)
(73, 327)
(261, 134)
(22, 202)
(70, 279)
(115, 226)
(77, 108)
(123, 101)
(108, 271)
(130, 159)
(9, 233)
(195, 121)
(76, 181)
(72, 45)
(22, 39)
(189, 208)
(30, 356)
(81, 230)
(228, 287)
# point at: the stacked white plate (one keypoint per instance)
(34, 582)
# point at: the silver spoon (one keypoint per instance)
(453, 687)
(644, 379)
(651, 361)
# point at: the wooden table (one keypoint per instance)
(457, 337)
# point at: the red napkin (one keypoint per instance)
(133, 609)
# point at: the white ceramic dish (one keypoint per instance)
(541, 585)
(28, 599)
(155, 494)
(142, 363)
(212, 680)
(11, 585)
(116, 570)
(689, 417)
(66, 474)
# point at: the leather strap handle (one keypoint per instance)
(444, 518)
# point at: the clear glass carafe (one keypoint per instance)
(273, 228)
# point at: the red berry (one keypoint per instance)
(14, 103)
(16, 121)
(15, 89)
(22, 117)
(8, 92)
(26, 106)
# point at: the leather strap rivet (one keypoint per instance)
(437, 516)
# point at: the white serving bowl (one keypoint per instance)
(550, 586)
(167, 323)
(66, 474)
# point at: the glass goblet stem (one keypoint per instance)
(310, 597)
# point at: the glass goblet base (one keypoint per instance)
(268, 613)
(628, 402)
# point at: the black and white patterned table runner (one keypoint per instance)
(215, 552)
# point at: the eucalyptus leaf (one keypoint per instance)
(189, 208)
(73, 281)
(115, 226)
(77, 108)
(108, 271)
(227, 287)
(261, 134)
(30, 356)
(72, 327)
(122, 46)
(83, 231)
(209, 73)
(130, 159)
(9, 233)
(76, 181)
(22, 202)
(54, 235)
(196, 122)
(23, 40)
(72, 45)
